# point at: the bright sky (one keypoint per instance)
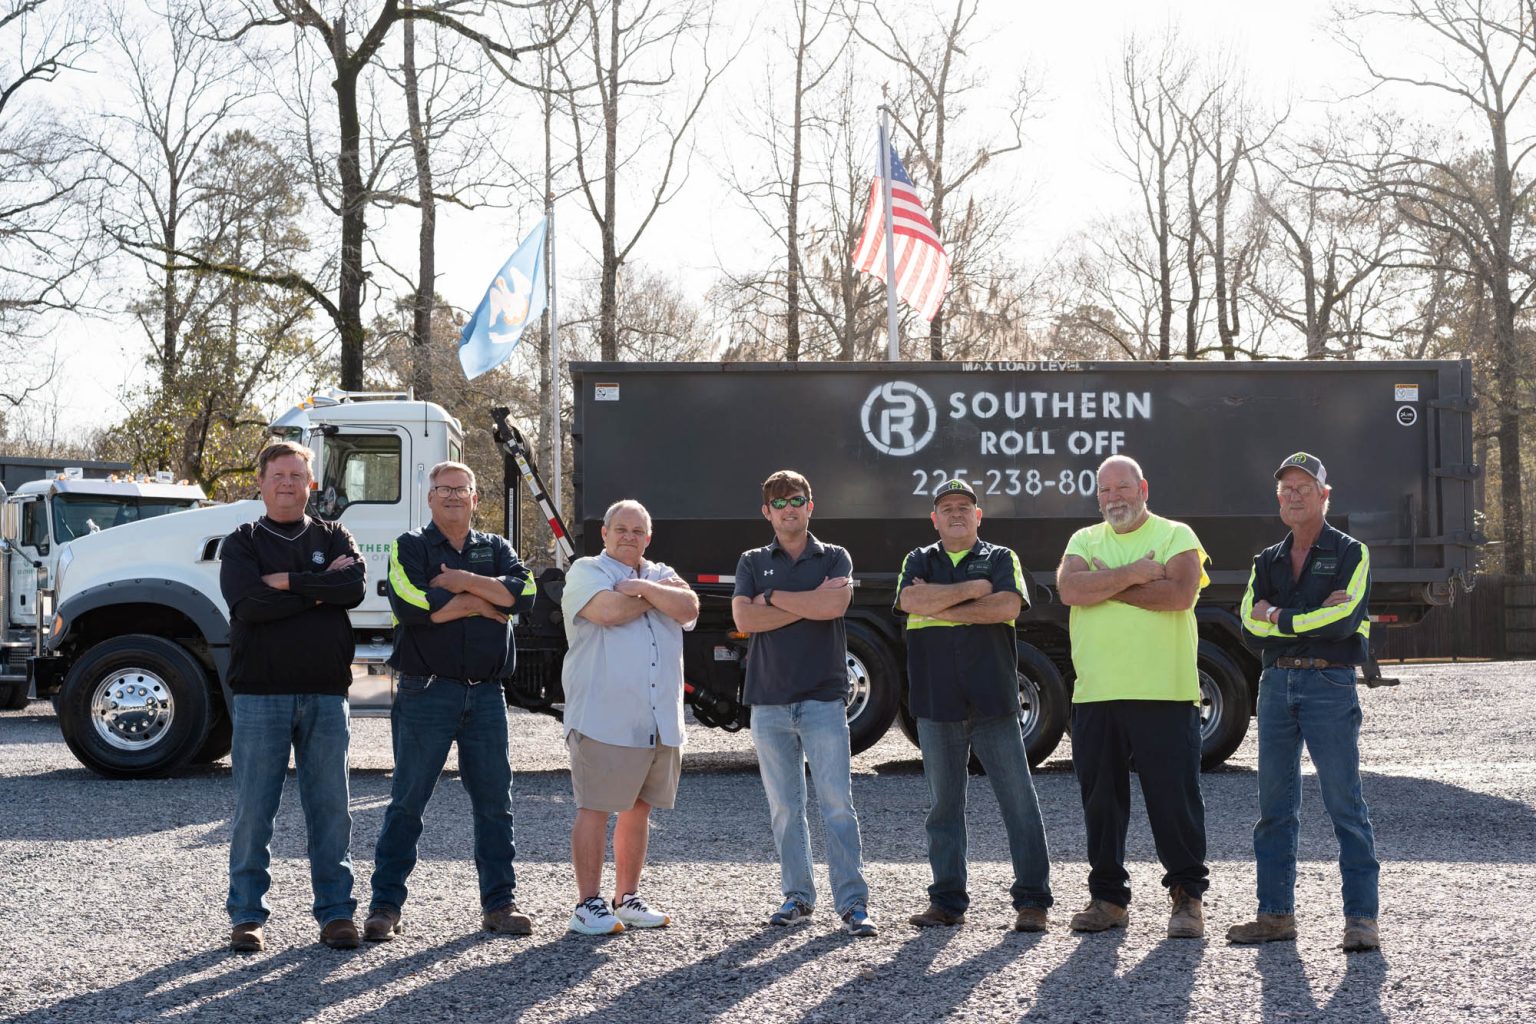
(1072, 50)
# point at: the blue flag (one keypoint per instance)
(514, 300)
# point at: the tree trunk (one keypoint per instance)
(349, 297)
(426, 275)
(792, 228)
(608, 315)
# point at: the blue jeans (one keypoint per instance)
(316, 728)
(787, 737)
(999, 745)
(427, 717)
(1319, 707)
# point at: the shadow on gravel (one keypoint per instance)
(907, 980)
(296, 984)
(1287, 994)
(1084, 984)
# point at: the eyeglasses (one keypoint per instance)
(1300, 491)
(444, 491)
(798, 501)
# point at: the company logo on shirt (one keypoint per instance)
(318, 558)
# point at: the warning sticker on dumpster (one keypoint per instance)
(610, 392)
(1400, 392)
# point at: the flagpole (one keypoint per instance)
(554, 366)
(894, 342)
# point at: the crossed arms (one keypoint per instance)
(973, 602)
(1145, 583)
(828, 601)
(632, 598)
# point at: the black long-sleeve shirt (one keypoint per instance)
(297, 640)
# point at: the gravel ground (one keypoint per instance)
(111, 907)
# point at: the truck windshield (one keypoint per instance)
(76, 515)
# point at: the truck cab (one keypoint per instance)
(39, 521)
(136, 649)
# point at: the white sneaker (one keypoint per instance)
(633, 913)
(592, 917)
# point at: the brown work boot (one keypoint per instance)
(1360, 935)
(340, 933)
(246, 938)
(1100, 916)
(507, 920)
(1188, 918)
(1266, 928)
(936, 917)
(383, 924)
(1031, 919)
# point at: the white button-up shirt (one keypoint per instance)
(623, 684)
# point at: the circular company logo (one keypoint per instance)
(1407, 415)
(898, 418)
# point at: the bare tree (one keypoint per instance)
(634, 55)
(46, 248)
(351, 48)
(1485, 64)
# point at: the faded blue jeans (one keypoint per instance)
(1321, 708)
(317, 729)
(431, 713)
(999, 745)
(787, 737)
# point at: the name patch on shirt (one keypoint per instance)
(481, 558)
(1325, 565)
(978, 569)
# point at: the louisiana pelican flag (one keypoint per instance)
(514, 300)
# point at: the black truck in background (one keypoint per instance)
(693, 442)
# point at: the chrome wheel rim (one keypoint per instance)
(859, 688)
(132, 709)
(1211, 705)
(1029, 703)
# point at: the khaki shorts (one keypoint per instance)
(610, 778)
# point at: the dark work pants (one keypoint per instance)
(1164, 738)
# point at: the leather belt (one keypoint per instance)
(1309, 663)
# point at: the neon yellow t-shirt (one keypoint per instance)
(1122, 652)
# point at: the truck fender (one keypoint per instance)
(195, 605)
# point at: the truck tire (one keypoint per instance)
(135, 706)
(874, 690)
(1224, 705)
(1044, 704)
(13, 696)
(220, 738)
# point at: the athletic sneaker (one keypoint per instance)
(633, 913)
(859, 924)
(792, 912)
(592, 917)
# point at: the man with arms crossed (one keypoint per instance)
(1132, 582)
(289, 580)
(452, 588)
(791, 596)
(623, 680)
(1305, 610)
(961, 596)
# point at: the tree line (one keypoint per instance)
(229, 192)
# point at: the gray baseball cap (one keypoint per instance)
(953, 487)
(1307, 463)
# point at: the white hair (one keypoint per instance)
(626, 504)
(1121, 460)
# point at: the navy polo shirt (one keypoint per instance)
(1304, 628)
(807, 659)
(957, 671)
(471, 648)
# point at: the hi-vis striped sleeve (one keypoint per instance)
(401, 584)
(1258, 627)
(530, 589)
(1018, 577)
(901, 579)
(1307, 622)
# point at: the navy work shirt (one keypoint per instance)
(471, 648)
(807, 659)
(960, 670)
(1304, 628)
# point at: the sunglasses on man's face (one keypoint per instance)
(798, 501)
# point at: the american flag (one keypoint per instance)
(922, 265)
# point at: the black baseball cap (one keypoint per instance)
(956, 486)
(1309, 464)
